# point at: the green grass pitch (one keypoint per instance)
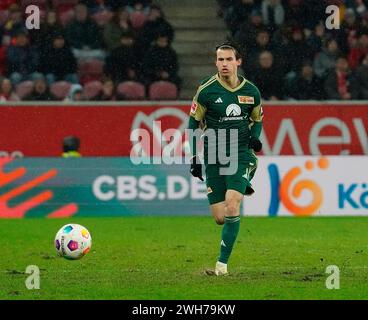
(165, 258)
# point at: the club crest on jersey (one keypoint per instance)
(246, 99)
(193, 108)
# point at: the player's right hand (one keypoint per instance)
(196, 168)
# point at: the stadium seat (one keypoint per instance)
(90, 70)
(65, 10)
(69, 3)
(92, 89)
(4, 14)
(66, 16)
(43, 14)
(24, 88)
(162, 90)
(102, 17)
(2, 60)
(137, 19)
(60, 89)
(39, 3)
(131, 90)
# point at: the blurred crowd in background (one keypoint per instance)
(87, 50)
(105, 50)
(290, 54)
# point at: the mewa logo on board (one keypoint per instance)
(325, 185)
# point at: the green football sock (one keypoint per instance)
(230, 231)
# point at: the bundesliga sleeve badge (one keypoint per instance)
(193, 108)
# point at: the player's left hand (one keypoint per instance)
(255, 144)
(196, 168)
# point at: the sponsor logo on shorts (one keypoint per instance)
(209, 190)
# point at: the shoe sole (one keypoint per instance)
(211, 273)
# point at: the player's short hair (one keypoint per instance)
(230, 46)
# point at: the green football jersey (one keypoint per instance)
(219, 106)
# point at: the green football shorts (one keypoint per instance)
(218, 184)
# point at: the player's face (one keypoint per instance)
(226, 63)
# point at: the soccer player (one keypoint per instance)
(227, 101)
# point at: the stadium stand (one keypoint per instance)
(24, 88)
(90, 70)
(107, 92)
(7, 92)
(66, 16)
(92, 89)
(137, 19)
(305, 57)
(40, 91)
(91, 37)
(131, 90)
(60, 89)
(4, 15)
(64, 5)
(162, 90)
(303, 51)
(42, 4)
(102, 17)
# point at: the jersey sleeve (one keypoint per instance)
(257, 112)
(198, 108)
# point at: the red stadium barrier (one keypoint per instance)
(104, 130)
